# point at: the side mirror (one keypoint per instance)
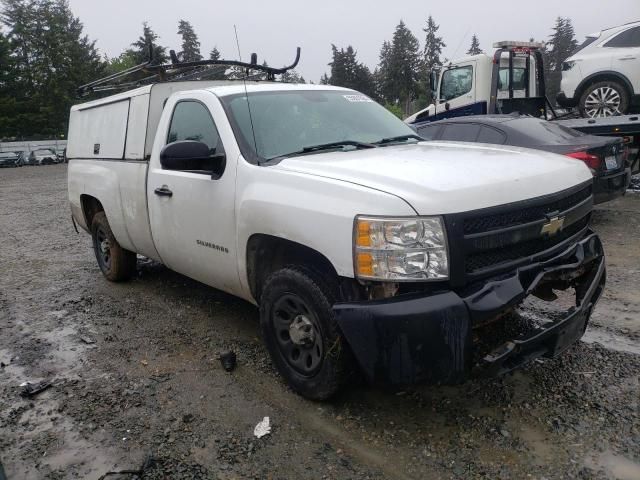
(192, 156)
(433, 83)
(432, 80)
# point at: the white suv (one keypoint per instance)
(602, 78)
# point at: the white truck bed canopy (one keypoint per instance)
(127, 130)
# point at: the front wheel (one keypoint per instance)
(116, 263)
(604, 99)
(301, 334)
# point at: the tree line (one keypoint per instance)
(45, 55)
(400, 80)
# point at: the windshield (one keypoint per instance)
(588, 41)
(287, 122)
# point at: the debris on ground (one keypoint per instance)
(262, 428)
(87, 340)
(228, 360)
(30, 390)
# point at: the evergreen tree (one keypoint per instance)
(292, 77)
(127, 59)
(474, 49)
(561, 45)
(219, 70)
(347, 72)
(49, 57)
(399, 68)
(190, 44)
(146, 42)
(433, 45)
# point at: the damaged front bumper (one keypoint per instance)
(428, 338)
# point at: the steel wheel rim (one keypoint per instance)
(603, 102)
(298, 335)
(103, 248)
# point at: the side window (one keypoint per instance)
(491, 135)
(456, 82)
(429, 132)
(628, 38)
(192, 121)
(460, 132)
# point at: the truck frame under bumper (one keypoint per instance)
(429, 338)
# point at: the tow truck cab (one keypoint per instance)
(510, 80)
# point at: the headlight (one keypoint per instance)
(400, 249)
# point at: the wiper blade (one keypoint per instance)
(399, 138)
(327, 146)
(343, 143)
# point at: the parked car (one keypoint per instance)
(45, 156)
(10, 159)
(606, 157)
(602, 77)
(361, 245)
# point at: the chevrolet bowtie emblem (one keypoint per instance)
(554, 225)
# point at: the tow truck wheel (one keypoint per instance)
(604, 99)
(301, 333)
(116, 263)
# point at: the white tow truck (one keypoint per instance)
(363, 247)
(511, 80)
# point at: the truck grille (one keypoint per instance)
(524, 215)
(485, 242)
(490, 258)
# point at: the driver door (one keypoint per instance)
(457, 92)
(192, 213)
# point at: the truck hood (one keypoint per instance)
(442, 177)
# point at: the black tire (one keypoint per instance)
(296, 289)
(116, 263)
(607, 90)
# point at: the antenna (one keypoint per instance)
(254, 60)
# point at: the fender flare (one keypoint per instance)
(605, 73)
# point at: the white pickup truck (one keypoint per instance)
(365, 248)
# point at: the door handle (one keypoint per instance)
(627, 58)
(163, 191)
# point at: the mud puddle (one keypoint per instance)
(612, 341)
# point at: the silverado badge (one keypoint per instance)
(553, 226)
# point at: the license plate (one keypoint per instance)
(611, 162)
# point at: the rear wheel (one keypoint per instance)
(116, 263)
(301, 333)
(604, 99)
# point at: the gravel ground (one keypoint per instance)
(135, 379)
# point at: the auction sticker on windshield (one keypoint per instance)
(357, 98)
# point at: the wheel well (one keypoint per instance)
(603, 77)
(90, 206)
(266, 254)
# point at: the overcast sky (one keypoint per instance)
(274, 28)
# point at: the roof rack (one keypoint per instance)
(179, 71)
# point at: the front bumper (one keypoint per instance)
(428, 338)
(608, 187)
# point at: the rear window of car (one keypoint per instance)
(628, 38)
(429, 132)
(491, 135)
(542, 132)
(461, 132)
